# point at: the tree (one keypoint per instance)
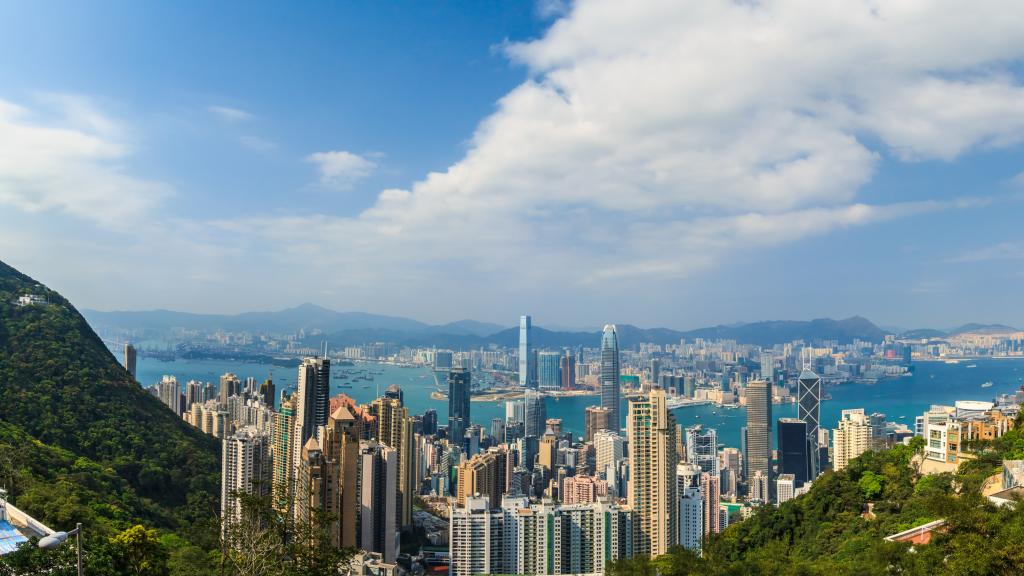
(870, 485)
(138, 551)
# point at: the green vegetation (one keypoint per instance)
(81, 441)
(827, 531)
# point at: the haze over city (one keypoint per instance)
(668, 164)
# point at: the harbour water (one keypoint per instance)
(931, 383)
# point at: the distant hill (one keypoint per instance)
(975, 328)
(80, 440)
(304, 317)
(350, 328)
(923, 333)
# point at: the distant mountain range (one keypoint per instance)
(972, 328)
(349, 328)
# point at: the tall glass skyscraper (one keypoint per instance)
(549, 373)
(759, 428)
(458, 403)
(808, 409)
(527, 361)
(794, 450)
(610, 375)
(535, 414)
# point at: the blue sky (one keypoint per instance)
(654, 163)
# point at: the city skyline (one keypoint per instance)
(339, 144)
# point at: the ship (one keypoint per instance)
(987, 385)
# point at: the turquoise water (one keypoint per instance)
(932, 383)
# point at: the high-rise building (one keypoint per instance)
(193, 394)
(710, 491)
(548, 369)
(651, 431)
(582, 489)
(429, 426)
(245, 468)
(794, 450)
(535, 414)
(477, 539)
(459, 381)
(378, 502)
(702, 448)
(268, 392)
(851, 439)
(169, 392)
(767, 367)
(691, 518)
(655, 370)
(394, 429)
(609, 449)
(527, 359)
(785, 488)
(732, 458)
(515, 411)
(312, 398)
(809, 410)
(230, 385)
(130, 357)
(483, 475)
(567, 368)
(596, 419)
(758, 489)
(610, 375)
(759, 427)
(284, 455)
(341, 454)
(310, 484)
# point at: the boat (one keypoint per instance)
(903, 417)
(971, 366)
(987, 385)
(952, 361)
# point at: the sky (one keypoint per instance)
(671, 163)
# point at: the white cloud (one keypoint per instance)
(229, 114)
(68, 157)
(339, 169)
(665, 135)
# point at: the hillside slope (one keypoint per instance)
(118, 455)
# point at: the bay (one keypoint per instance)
(931, 383)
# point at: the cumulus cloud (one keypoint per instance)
(340, 170)
(67, 157)
(653, 139)
(229, 114)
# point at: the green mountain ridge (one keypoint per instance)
(80, 440)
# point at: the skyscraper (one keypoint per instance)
(459, 382)
(394, 429)
(691, 517)
(567, 368)
(130, 358)
(268, 392)
(808, 410)
(596, 419)
(651, 430)
(284, 455)
(476, 533)
(702, 448)
(852, 438)
(230, 385)
(609, 448)
(311, 399)
(378, 505)
(527, 360)
(549, 369)
(610, 375)
(169, 392)
(483, 475)
(341, 453)
(794, 450)
(785, 488)
(245, 468)
(535, 414)
(710, 491)
(759, 427)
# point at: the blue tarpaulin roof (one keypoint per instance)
(10, 538)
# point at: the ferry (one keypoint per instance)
(987, 385)
(952, 361)
(971, 366)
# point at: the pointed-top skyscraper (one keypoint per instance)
(610, 375)
(808, 409)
